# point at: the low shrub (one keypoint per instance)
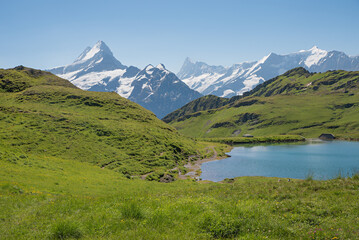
(66, 229)
(155, 176)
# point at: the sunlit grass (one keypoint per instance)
(81, 200)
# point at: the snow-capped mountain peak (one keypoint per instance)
(161, 66)
(315, 56)
(159, 90)
(188, 60)
(99, 47)
(315, 49)
(149, 67)
(196, 68)
(99, 58)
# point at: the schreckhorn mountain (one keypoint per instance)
(154, 88)
(240, 78)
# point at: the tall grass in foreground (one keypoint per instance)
(309, 176)
(132, 210)
(65, 199)
(353, 174)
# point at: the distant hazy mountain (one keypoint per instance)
(240, 78)
(154, 88)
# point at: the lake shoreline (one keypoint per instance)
(194, 168)
(254, 140)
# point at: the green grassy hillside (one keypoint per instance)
(47, 116)
(297, 102)
(200, 104)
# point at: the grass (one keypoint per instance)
(131, 210)
(64, 230)
(79, 200)
(310, 176)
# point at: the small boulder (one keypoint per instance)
(236, 132)
(326, 136)
(167, 178)
(247, 135)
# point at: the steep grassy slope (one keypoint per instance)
(297, 102)
(45, 115)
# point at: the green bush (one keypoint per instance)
(66, 229)
(155, 176)
(183, 169)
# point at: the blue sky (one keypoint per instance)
(45, 34)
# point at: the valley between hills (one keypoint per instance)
(72, 162)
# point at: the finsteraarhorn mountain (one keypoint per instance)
(155, 88)
(239, 78)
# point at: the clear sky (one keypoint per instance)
(47, 33)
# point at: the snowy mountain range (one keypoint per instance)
(239, 78)
(154, 88)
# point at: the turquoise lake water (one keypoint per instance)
(322, 160)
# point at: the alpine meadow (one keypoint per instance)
(106, 133)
